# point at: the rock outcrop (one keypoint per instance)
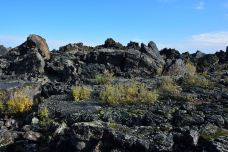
(185, 110)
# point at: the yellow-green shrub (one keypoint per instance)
(81, 93)
(43, 114)
(45, 121)
(104, 78)
(191, 69)
(19, 104)
(1, 106)
(169, 87)
(197, 80)
(127, 94)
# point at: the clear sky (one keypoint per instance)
(187, 25)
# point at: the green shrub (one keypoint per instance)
(197, 80)
(44, 113)
(2, 107)
(81, 93)
(169, 87)
(104, 78)
(127, 94)
(19, 104)
(45, 120)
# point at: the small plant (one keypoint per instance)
(45, 121)
(191, 69)
(104, 78)
(81, 93)
(1, 106)
(169, 87)
(19, 104)
(127, 94)
(44, 113)
(197, 80)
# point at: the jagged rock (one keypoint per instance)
(63, 67)
(198, 54)
(29, 57)
(32, 136)
(110, 43)
(179, 68)
(3, 50)
(170, 53)
(6, 137)
(69, 48)
(207, 62)
(151, 60)
(133, 45)
(29, 63)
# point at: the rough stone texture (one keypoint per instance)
(3, 50)
(39, 42)
(178, 68)
(5, 137)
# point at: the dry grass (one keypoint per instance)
(81, 93)
(127, 94)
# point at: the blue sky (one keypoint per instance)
(186, 25)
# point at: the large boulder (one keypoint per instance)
(62, 67)
(40, 43)
(150, 59)
(179, 68)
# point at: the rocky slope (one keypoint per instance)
(195, 119)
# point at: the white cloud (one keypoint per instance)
(200, 5)
(206, 42)
(219, 38)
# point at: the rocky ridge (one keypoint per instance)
(196, 120)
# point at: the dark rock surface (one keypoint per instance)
(195, 120)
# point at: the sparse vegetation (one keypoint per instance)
(189, 97)
(197, 80)
(1, 106)
(43, 114)
(169, 87)
(19, 104)
(104, 78)
(127, 94)
(81, 93)
(45, 120)
(191, 69)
